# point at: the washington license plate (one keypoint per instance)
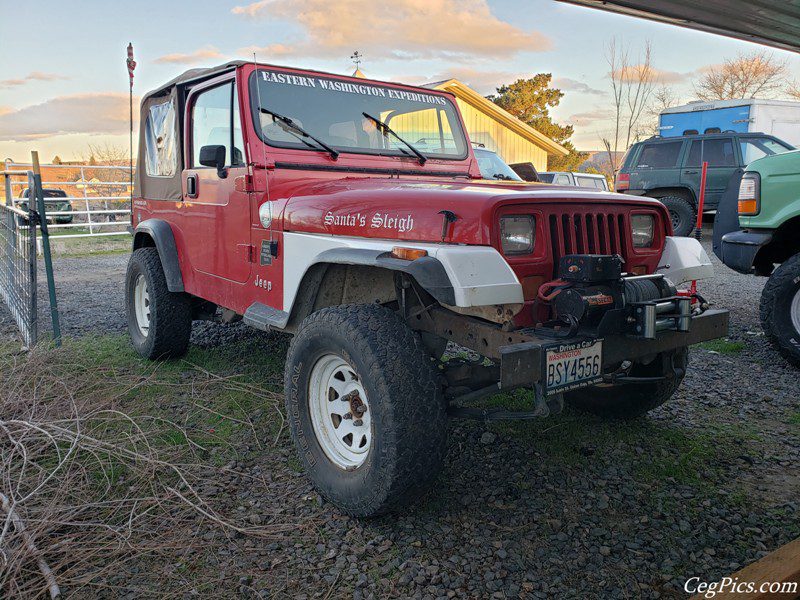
(571, 366)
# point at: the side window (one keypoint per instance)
(587, 182)
(215, 121)
(693, 156)
(719, 153)
(660, 156)
(159, 140)
(562, 179)
(753, 148)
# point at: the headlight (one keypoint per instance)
(517, 234)
(750, 194)
(642, 229)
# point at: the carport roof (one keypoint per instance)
(772, 22)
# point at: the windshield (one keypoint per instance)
(333, 110)
(493, 167)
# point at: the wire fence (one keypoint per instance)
(82, 200)
(18, 264)
(18, 254)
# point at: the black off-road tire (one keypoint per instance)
(631, 400)
(409, 419)
(775, 309)
(170, 312)
(682, 213)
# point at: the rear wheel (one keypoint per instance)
(159, 321)
(365, 409)
(631, 400)
(780, 309)
(682, 214)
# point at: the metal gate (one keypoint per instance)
(18, 277)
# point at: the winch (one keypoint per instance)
(593, 293)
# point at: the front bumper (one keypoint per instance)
(521, 363)
(739, 248)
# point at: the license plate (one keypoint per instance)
(571, 366)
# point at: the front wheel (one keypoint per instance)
(780, 309)
(366, 412)
(159, 321)
(631, 400)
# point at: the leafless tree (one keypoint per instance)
(112, 182)
(632, 85)
(758, 74)
(662, 98)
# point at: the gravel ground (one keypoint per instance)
(567, 507)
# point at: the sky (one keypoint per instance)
(67, 87)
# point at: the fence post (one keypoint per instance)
(84, 183)
(33, 309)
(48, 259)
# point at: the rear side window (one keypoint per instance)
(719, 153)
(562, 179)
(546, 177)
(753, 148)
(659, 156)
(589, 182)
(159, 140)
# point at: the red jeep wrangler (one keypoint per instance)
(351, 214)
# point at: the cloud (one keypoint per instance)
(632, 73)
(80, 113)
(589, 118)
(571, 85)
(32, 76)
(483, 82)
(205, 53)
(407, 29)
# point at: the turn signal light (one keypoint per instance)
(408, 253)
(748, 207)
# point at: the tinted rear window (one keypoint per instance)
(546, 177)
(589, 182)
(660, 156)
(717, 152)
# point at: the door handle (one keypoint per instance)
(191, 185)
(691, 172)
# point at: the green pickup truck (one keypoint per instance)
(768, 234)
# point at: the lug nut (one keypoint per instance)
(358, 422)
(347, 416)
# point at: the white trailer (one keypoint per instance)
(780, 118)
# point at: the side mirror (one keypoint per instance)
(214, 156)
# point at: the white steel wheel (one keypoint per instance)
(794, 311)
(340, 412)
(141, 305)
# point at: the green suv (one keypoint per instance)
(769, 235)
(669, 168)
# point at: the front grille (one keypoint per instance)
(587, 233)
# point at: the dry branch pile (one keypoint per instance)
(85, 487)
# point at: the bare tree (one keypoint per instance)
(758, 74)
(631, 86)
(107, 183)
(793, 90)
(663, 97)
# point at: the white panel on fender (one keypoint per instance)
(684, 259)
(480, 276)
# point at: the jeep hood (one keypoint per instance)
(411, 209)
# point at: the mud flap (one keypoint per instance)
(727, 217)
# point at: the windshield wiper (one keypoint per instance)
(384, 129)
(292, 125)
